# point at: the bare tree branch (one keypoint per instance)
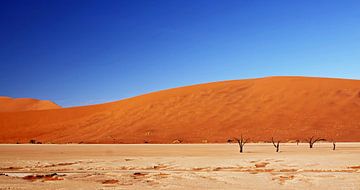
(277, 145)
(241, 142)
(334, 144)
(272, 140)
(312, 141)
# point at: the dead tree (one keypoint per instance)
(241, 142)
(276, 145)
(312, 141)
(334, 145)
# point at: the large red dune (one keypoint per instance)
(286, 108)
(8, 104)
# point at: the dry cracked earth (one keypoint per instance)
(181, 166)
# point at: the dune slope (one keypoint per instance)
(287, 108)
(8, 104)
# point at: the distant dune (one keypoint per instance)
(287, 108)
(8, 104)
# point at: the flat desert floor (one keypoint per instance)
(180, 166)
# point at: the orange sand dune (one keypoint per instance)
(8, 104)
(288, 108)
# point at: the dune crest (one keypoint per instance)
(286, 108)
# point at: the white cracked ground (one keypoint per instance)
(180, 166)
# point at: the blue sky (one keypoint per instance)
(85, 52)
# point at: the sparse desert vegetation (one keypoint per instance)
(180, 166)
(241, 141)
(312, 140)
(176, 94)
(276, 144)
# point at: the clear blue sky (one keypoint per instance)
(84, 52)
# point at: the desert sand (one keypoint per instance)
(189, 166)
(288, 108)
(8, 104)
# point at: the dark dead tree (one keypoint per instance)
(276, 144)
(241, 142)
(334, 145)
(297, 142)
(312, 141)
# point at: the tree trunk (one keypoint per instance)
(241, 142)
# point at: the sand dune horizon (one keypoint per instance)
(8, 104)
(286, 108)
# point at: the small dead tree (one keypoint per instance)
(241, 142)
(312, 141)
(276, 145)
(334, 145)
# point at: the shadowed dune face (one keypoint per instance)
(288, 108)
(8, 104)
